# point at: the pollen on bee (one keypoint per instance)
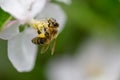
(47, 33)
(41, 35)
(38, 24)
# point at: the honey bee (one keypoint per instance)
(47, 35)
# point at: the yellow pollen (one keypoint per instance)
(39, 25)
(41, 35)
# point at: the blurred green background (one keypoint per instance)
(85, 19)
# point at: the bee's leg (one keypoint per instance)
(44, 48)
(53, 46)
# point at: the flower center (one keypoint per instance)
(39, 25)
(47, 32)
(94, 71)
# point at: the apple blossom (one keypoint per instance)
(97, 60)
(21, 52)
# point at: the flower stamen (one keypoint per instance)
(39, 25)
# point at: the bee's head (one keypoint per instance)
(53, 23)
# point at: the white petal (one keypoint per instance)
(33, 6)
(23, 10)
(14, 8)
(1, 1)
(54, 11)
(63, 68)
(10, 30)
(22, 52)
(65, 1)
(37, 7)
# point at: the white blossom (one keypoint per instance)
(97, 60)
(65, 1)
(21, 51)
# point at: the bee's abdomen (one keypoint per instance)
(42, 41)
(35, 40)
(39, 41)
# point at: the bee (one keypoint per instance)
(47, 35)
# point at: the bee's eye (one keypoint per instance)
(52, 23)
(56, 24)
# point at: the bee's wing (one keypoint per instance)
(53, 46)
(44, 48)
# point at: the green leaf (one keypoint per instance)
(4, 18)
